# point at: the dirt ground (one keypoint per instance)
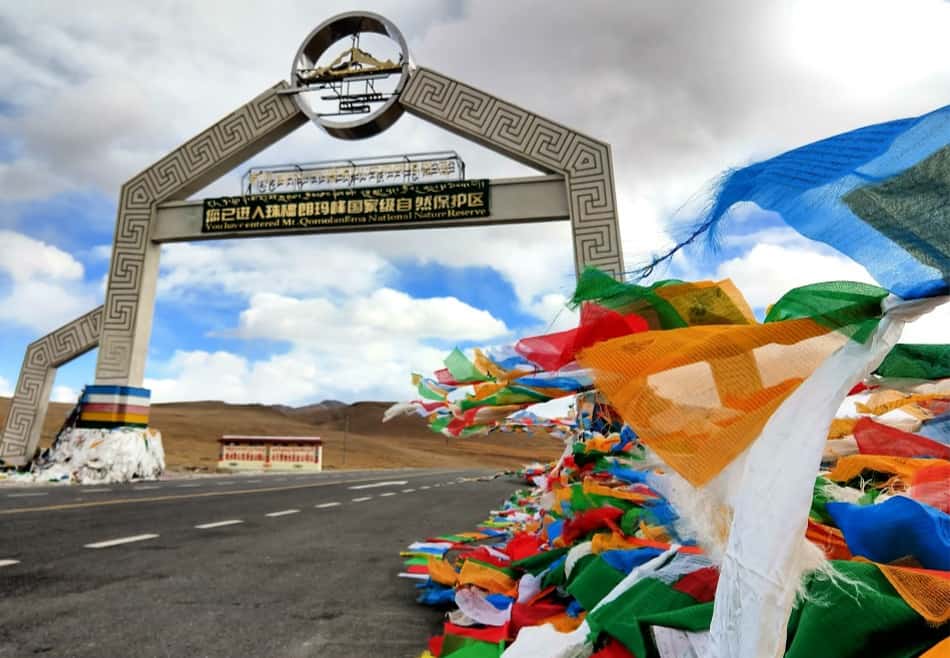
(354, 435)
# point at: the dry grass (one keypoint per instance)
(190, 431)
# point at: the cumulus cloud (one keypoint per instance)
(385, 315)
(359, 347)
(6, 389)
(681, 90)
(364, 371)
(64, 394)
(769, 270)
(289, 265)
(932, 328)
(46, 286)
(24, 258)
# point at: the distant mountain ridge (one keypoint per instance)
(354, 435)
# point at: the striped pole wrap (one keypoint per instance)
(105, 407)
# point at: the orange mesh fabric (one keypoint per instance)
(880, 403)
(925, 590)
(705, 302)
(698, 396)
(828, 539)
(941, 650)
(488, 579)
(591, 487)
(841, 427)
(604, 541)
(903, 468)
(442, 572)
(564, 623)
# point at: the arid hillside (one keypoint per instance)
(354, 435)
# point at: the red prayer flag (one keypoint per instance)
(613, 649)
(589, 521)
(553, 351)
(700, 584)
(873, 438)
(486, 634)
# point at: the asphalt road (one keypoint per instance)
(307, 565)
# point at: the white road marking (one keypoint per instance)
(361, 499)
(223, 484)
(8, 563)
(408, 490)
(283, 512)
(425, 486)
(150, 486)
(325, 505)
(393, 483)
(254, 481)
(95, 490)
(123, 540)
(24, 495)
(388, 493)
(219, 524)
(187, 486)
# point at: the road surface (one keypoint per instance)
(266, 565)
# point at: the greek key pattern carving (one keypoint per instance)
(183, 171)
(584, 162)
(27, 409)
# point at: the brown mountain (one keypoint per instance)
(354, 435)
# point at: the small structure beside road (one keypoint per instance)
(270, 453)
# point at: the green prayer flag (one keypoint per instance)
(916, 362)
(457, 646)
(852, 308)
(537, 563)
(621, 618)
(844, 621)
(463, 370)
(593, 581)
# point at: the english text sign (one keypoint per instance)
(350, 207)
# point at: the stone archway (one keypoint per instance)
(578, 187)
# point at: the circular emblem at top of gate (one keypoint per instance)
(348, 74)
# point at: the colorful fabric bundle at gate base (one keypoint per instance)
(105, 439)
(733, 488)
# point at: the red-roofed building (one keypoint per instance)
(270, 453)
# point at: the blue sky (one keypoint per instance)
(681, 93)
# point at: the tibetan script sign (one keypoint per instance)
(375, 172)
(352, 207)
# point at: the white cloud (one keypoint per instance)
(537, 260)
(681, 90)
(768, 271)
(369, 371)
(552, 309)
(932, 328)
(556, 408)
(24, 258)
(298, 265)
(361, 347)
(64, 394)
(6, 390)
(385, 315)
(46, 287)
(357, 265)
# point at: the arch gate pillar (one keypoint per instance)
(581, 166)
